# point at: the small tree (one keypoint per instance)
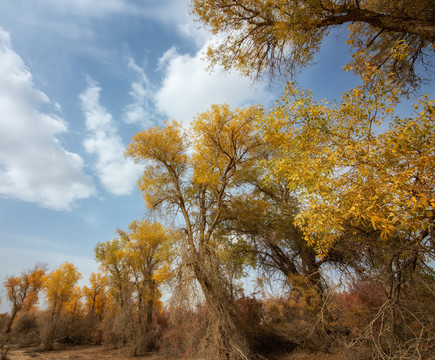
(138, 261)
(95, 302)
(62, 295)
(22, 291)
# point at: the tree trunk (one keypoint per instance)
(13, 315)
(223, 339)
(149, 320)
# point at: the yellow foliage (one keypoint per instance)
(282, 36)
(74, 304)
(304, 297)
(163, 274)
(22, 291)
(138, 259)
(59, 287)
(221, 137)
(352, 175)
(169, 146)
(95, 295)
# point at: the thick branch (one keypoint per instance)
(422, 28)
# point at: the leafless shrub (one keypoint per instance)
(116, 332)
(48, 325)
(186, 328)
(397, 332)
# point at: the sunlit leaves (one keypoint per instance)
(259, 35)
(352, 173)
(60, 287)
(167, 147)
(193, 172)
(136, 257)
(222, 139)
(282, 36)
(22, 291)
(95, 295)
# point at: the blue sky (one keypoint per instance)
(78, 78)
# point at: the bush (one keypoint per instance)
(262, 337)
(26, 330)
(186, 329)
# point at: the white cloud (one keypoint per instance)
(141, 110)
(169, 12)
(34, 166)
(117, 174)
(61, 28)
(188, 88)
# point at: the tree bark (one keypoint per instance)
(223, 336)
(13, 315)
(422, 28)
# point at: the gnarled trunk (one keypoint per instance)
(223, 340)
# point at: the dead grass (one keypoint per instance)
(92, 352)
(75, 353)
(303, 354)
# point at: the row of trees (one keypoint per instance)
(121, 299)
(333, 202)
(62, 295)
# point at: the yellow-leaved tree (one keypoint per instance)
(137, 262)
(62, 296)
(96, 300)
(365, 177)
(352, 173)
(281, 36)
(22, 291)
(195, 176)
(95, 296)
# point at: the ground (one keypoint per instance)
(106, 353)
(75, 353)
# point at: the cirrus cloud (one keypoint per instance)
(141, 110)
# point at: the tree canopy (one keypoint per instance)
(281, 36)
(364, 177)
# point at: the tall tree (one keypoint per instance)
(195, 177)
(111, 256)
(365, 179)
(282, 36)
